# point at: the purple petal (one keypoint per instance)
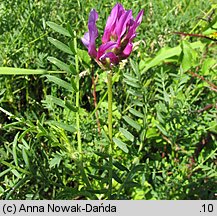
(132, 29)
(114, 60)
(126, 52)
(93, 33)
(86, 39)
(131, 34)
(120, 11)
(122, 24)
(111, 22)
(105, 47)
(139, 18)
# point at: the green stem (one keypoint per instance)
(110, 131)
(78, 122)
(80, 157)
(110, 105)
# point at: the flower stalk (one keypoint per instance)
(110, 151)
(109, 77)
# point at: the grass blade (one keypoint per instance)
(61, 46)
(132, 123)
(61, 65)
(121, 144)
(127, 134)
(23, 71)
(58, 28)
(61, 83)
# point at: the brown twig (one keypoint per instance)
(212, 87)
(205, 140)
(207, 107)
(202, 78)
(194, 35)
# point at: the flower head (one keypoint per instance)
(120, 30)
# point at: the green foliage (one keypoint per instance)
(164, 105)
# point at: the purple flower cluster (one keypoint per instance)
(117, 39)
